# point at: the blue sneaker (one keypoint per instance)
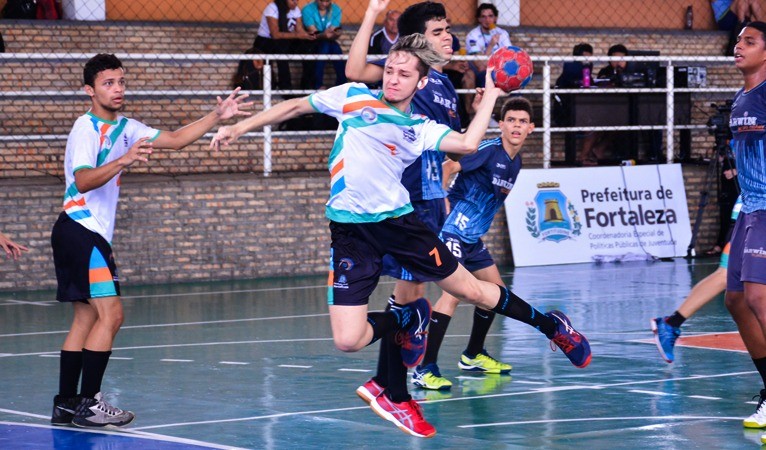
(665, 336)
(574, 345)
(413, 339)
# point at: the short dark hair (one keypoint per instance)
(582, 48)
(617, 48)
(516, 104)
(484, 6)
(413, 19)
(98, 64)
(758, 25)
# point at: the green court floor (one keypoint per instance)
(251, 364)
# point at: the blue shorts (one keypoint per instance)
(472, 256)
(432, 213)
(357, 251)
(747, 257)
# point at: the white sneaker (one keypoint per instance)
(758, 418)
(97, 413)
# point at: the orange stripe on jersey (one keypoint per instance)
(71, 203)
(349, 107)
(104, 129)
(337, 168)
(99, 274)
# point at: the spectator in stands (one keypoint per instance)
(485, 39)
(613, 70)
(281, 31)
(12, 249)
(462, 77)
(383, 39)
(572, 72)
(249, 75)
(732, 14)
(322, 18)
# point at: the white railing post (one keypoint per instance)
(546, 115)
(267, 128)
(671, 113)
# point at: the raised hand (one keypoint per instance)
(140, 151)
(224, 136)
(234, 105)
(377, 6)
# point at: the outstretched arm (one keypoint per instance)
(280, 113)
(357, 67)
(468, 142)
(12, 249)
(232, 106)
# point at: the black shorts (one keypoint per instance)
(357, 250)
(84, 262)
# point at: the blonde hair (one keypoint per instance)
(418, 46)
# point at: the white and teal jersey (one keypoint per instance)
(375, 142)
(92, 143)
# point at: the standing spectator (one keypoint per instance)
(322, 18)
(383, 39)
(281, 31)
(485, 39)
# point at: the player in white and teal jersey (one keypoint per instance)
(385, 136)
(101, 144)
(746, 276)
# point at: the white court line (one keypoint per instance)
(120, 357)
(598, 419)
(510, 394)
(45, 355)
(294, 366)
(234, 363)
(25, 414)
(131, 433)
(527, 382)
(638, 391)
(705, 397)
(176, 360)
(355, 370)
(11, 302)
(193, 344)
(179, 324)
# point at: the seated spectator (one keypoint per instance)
(280, 32)
(596, 143)
(613, 70)
(572, 72)
(249, 74)
(485, 39)
(383, 39)
(571, 77)
(322, 18)
(462, 77)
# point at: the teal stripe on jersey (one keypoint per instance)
(343, 216)
(78, 215)
(71, 191)
(354, 90)
(112, 137)
(439, 141)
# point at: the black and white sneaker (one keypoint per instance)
(97, 413)
(63, 410)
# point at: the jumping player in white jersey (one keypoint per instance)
(371, 215)
(101, 145)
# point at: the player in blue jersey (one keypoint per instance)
(371, 215)
(423, 179)
(746, 277)
(483, 182)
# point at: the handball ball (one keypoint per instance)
(512, 68)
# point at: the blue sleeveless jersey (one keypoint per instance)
(748, 127)
(485, 179)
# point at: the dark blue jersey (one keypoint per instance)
(437, 101)
(485, 179)
(748, 128)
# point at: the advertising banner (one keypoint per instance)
(558, 216)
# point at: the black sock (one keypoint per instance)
(437, 328)
(93, 368)
(381, 377)
(510, 305)
(760, 365)
(70, 367)
(482, 320)
(675, 319)
(397, 372)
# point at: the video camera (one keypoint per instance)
(718, 124)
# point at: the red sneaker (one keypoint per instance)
(369, 390)
(407, 416)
